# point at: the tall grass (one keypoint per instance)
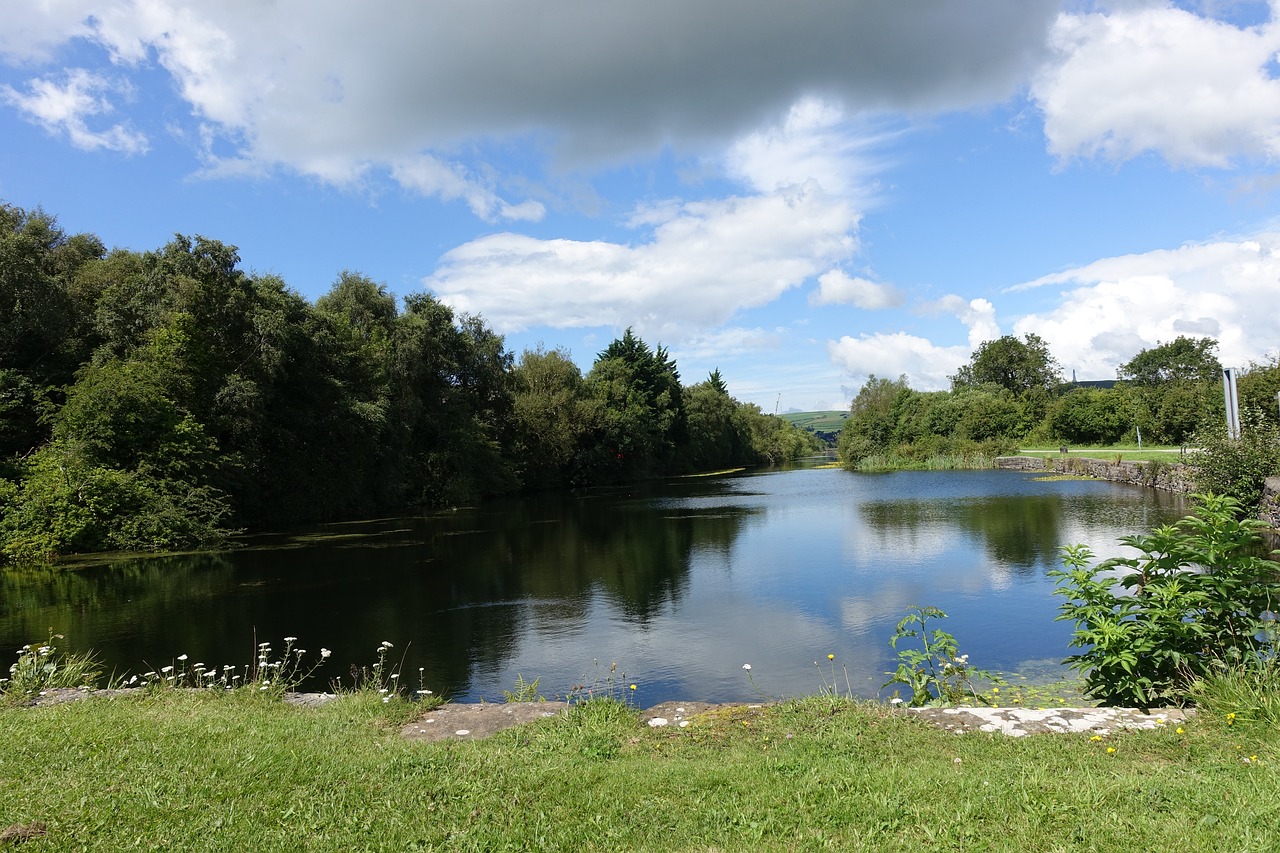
(934, 462)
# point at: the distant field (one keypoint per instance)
(818, 421)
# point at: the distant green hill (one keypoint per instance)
(826, 425)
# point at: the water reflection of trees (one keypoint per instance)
(461, 589)
(1021, 532)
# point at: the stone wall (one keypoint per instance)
(1170, 476)
(1269, 511)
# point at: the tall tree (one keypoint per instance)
(642, 413)
(1182, 360)
(1021, 366)
(1175, 388)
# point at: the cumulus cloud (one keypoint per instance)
(702, 263)
(978, 315)
(693, 265)
(835, 287)
(926, 365)
(1155, 78)
(304, 82)
(1116, 307)
(65, 108)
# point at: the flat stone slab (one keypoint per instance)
(680, 714)
(1018, 722)
(460, 721)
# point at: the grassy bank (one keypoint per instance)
(237, 770)
(1117, 454)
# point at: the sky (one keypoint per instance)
(800, 193)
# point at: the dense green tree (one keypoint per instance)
(874, 416)
(1182, 360)
(1175, 388)
(1089, 416)
(719, 433)
(775, 440)
(1259, 385)
(1020, 366)
(42, 327)
(642, 419)
(551, 417)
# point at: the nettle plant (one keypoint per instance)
(1197, 599)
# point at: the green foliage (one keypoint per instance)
(43, 666)
(1089, 416)
(1182, 360)
(1018, 366)
(1196, 598)
(641, 413)
(933, 671)
(66, 503)
(1259, 385)
(526, 691)
(1249, 693)
(1238, 467)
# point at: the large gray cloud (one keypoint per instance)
(326, 86)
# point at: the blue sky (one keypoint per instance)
(798, 194)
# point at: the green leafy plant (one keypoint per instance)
(1196, 600)
(526, 691)
(934, 671)
(43, 666)
(1238, 467)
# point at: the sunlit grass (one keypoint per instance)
(193, 770)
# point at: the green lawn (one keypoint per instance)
(187, 770)
(1113, 454)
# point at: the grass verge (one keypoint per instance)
(1169, 455)
(201, 770)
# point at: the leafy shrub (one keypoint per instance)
(1196, 600)
(1238, 467)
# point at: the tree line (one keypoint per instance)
(1012, 393)
(164, 399)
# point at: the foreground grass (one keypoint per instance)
(238, 771)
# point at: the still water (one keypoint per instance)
(679, 583)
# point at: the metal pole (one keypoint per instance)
(1233, 402)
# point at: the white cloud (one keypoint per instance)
(65, 108)
(978, 315)
(1197, 91)
(33, 31)
(449, 181)
(926, 365)
(703, 262)
(1117, 307)
(835, 287)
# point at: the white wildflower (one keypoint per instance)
(747, 667)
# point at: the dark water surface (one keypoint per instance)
(680, 583)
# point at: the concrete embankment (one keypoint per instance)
(1169, 476)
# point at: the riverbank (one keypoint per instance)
(200, 771)
(1155, 474)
